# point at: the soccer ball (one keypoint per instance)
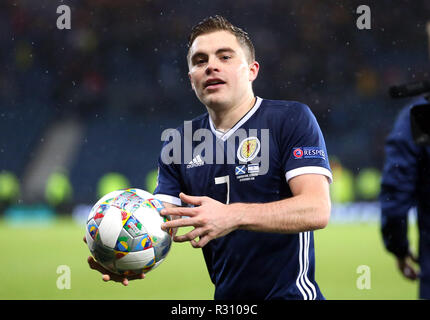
(124, 234)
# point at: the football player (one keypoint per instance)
(253, 176)
(258, 187)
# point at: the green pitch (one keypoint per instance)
(33, 256)
(342, 249)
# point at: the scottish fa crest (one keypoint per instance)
(248, 149)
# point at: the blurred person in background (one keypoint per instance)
(406, 184)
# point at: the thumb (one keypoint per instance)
(414, 257)
(191, 199)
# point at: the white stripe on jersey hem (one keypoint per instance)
(305, 286)
(299, 286)
(305, 264)
(167, 198)
(224, 136)
(308, 282)
(310, 169)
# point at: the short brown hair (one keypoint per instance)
(219, 23)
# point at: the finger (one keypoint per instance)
(85, 239)
(98, 267)
(197, 201)
(179, 211)
(94, 264)
(204, 241)
(189, 236)
(126, 280)
(115, 277)
(201, 243)
(179, 223)
(409, 272)
(137, 276)
(133, 276)
(413, 257)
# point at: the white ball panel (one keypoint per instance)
(135, 260)
(152, 221)
(110, 227)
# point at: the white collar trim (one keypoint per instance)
(225, 135)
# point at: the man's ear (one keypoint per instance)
(254, 67)
(191, 81)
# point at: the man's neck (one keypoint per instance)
(225, 118)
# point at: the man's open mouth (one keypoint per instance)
(213, 83)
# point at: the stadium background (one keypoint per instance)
(82, 111)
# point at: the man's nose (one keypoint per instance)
(212, 66)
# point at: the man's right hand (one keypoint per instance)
(406, 266)
(108, 275)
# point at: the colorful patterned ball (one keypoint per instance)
(124, 232)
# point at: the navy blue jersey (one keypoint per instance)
(252, 162)
(406, 184)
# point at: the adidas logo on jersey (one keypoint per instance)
(196, 162)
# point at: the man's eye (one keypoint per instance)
(200, 61)
(226, 57)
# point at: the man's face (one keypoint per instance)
(219, 70)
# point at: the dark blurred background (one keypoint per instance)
(78, 104)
